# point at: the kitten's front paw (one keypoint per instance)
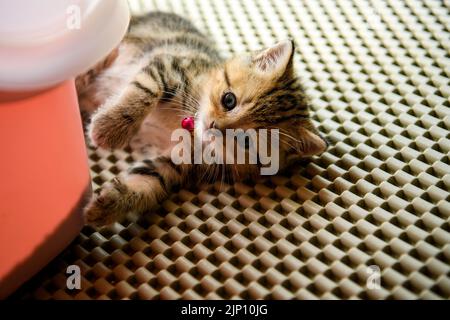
(111, 131)
(106, 207)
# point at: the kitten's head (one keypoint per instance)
(260, 90)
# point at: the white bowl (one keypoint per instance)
(43, 42)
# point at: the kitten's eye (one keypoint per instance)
(229, 100)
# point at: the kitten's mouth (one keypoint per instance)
(210, 125)
(213, 125)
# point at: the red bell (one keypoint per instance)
(188, 123)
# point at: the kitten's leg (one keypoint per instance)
(120, 117)
(145, 185)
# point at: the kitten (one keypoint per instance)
(165, 70)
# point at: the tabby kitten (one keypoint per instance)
(165, 70)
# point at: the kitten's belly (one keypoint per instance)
(153, 138)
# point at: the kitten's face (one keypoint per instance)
(260, 90)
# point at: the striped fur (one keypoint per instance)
(165, 69)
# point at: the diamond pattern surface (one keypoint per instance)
(378, 76)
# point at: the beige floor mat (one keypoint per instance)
(377, 200)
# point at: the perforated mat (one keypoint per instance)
(378, 75)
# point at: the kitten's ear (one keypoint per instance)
(275, 60)
(310, 143)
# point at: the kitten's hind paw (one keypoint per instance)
(106, 207)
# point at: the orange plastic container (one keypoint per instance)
(44, 180)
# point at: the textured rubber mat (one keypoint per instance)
(378, 75)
